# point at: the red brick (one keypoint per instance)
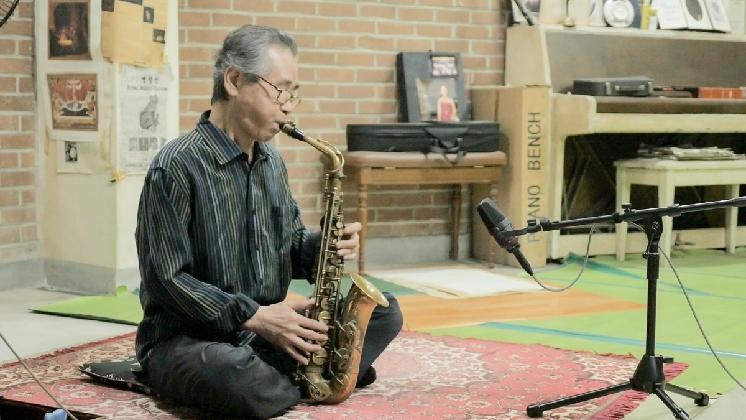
(297, 7)
(355, 59)
(28, 159)
(378, 76)
(308, 24)
(210, 4)
(29, 233)
(16, 103)
(387, 12)
(335, 74)
(197, 54)
(281, 22)
(377, 107)
(375, 43)
(195, 88)
(17, 27)
(25, 84)
(16, 141)
(336, 42)
(16, 178)
(356, 91)
(338, 9)
(453, 16)
(18, 216)
(25, 47)
(28, 197)
(357, 26)
(8, 198)
(17, 65)
(189, 19)
(231, 20)
(337, 107)
(396, 28)
(254, 5)
(414, 44)
(207, 36)
(451, 45)
(27, 123)
(200, 71)
(8, 123)
(7, 46)
(316, 57)
(8, 84)
(416, 14)
(8, 160)
(9, 235)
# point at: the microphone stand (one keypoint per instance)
(648, 376)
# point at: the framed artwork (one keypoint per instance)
(670, 14)
(718, 15)
(74, 101)
(430, 87)
(532, 7)
(68, 24)
(696, 15)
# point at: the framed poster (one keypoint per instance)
(718, 15)
(74, 101)
(696, 15)
(68, 24)
(430, 87)
(670, 14)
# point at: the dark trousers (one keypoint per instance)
(247, 381)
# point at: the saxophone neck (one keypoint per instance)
(336, 160)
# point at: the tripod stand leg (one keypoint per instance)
(677, 411)
(700, 398)
(537, 410)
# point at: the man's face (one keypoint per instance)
(256, 114)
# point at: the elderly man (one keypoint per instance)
(219, 237)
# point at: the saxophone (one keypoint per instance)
(331, 373)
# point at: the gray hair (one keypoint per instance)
(246, 49)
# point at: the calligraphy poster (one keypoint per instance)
(142, 129)
(134, 31)
(74, 102)
(68, 24)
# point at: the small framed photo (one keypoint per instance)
(70, 160)
(670, 14)
(74, 101)
(68, 25)
(718, 15)
(696, 14)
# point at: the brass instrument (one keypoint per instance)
(331, 373)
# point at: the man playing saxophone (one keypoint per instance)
(219, 237)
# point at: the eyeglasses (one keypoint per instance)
(283, 96)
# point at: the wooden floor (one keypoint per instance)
(425, 312)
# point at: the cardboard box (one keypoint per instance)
(522, 194)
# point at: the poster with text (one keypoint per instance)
(142, 130)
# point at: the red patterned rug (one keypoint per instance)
(419, 376)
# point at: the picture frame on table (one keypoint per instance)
(670, 14)
(696, 14)
(430, 87)
(718, 15)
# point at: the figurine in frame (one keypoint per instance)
(74, 101)
(69, 30)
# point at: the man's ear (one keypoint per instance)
(231, 81)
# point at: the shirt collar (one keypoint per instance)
(224, 147)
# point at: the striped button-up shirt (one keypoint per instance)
(217, 236)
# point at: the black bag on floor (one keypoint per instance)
(451, 140)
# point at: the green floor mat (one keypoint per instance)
(715, 282)
(123, 308)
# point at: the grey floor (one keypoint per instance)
(34, 334)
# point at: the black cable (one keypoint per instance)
(35, 378)
(696, 318)
(582, 268)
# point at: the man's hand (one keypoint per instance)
(347, 247)
(285, 328)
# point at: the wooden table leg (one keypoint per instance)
(455, 220)
(362, 217)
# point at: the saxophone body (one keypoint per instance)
(331, 373)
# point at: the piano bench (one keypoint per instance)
(669, 174)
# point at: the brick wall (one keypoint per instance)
(18, 167)
(347, 55)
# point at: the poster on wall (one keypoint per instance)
(143, 130)
(74, 101)
(68, 24)
(134, 31)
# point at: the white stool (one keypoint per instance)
(669, 174)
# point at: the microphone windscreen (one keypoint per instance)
(489, 213)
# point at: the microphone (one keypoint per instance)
(496, 224)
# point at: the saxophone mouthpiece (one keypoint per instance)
(291, 130)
